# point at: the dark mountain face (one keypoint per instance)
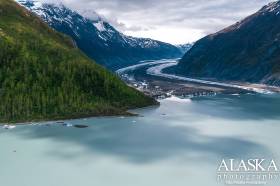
(98, 39)
(246, 51)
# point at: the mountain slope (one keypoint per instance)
(98, 39)
(185, 47)
(44, 76)
(246, 51)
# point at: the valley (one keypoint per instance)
(150, 78)
(82, 103)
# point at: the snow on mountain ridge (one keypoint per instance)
(273, 7)
(97, 38)
(58, 12)
(100, 26)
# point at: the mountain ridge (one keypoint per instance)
(98, 39)
(246, 51)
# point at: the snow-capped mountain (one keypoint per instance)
(185, 47)
(98, 39)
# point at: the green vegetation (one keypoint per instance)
(44, 76)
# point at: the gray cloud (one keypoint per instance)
(197, 17)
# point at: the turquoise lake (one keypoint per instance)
(180, 143)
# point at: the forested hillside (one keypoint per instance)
(44, 76)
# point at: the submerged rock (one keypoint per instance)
(80, 126)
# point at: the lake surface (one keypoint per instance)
(180, 143)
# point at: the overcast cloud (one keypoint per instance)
(173, 21)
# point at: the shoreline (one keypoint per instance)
(57, 119)
(128, 113)
(158, 87)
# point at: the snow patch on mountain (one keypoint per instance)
(36, 6)
(185, 47)
(100, 26)
(273, 7)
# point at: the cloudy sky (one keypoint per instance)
(173, 21)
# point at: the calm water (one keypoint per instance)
(180, 143)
